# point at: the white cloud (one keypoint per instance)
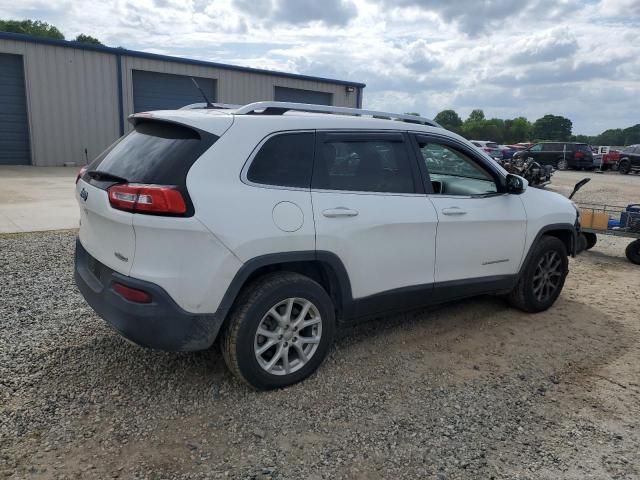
(508, 57)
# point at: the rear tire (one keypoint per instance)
(633, 252)
(624, 167)
(543, 277)
(295, 340)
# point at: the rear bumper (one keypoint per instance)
(583, 163)
(161, 324)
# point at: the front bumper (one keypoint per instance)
(161, 324)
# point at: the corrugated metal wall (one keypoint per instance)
(72, 95)
(233, 86)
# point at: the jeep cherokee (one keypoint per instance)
(269, 224)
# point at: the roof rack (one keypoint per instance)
(278, 108)
(214, 106)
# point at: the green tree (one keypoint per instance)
(82, 38)
(476, 115)
(475, 126)
(632, 134)
(31, 27)
(450, 120)
(552, 127)
(517, 130)
(613, 136)
(583, 139)
(494, 129)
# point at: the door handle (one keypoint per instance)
(453, 211)
(339, 212)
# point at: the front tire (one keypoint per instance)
(279, 332)
(624, 167)
(543, 277)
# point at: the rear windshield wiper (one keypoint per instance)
(106, 176)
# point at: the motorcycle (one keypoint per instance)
(537, 175)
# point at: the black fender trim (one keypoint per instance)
(341, 278)
(550, 228)
(389, 301)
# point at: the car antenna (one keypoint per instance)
(209, 104)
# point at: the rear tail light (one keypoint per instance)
(153, 199)
(81, 172)
(131, 294)
(579, 155)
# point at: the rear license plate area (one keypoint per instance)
(95, 267)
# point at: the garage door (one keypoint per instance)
(14, 123)
(163, 91)
(283, 94)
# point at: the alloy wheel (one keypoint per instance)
(288, 336)
(548, 276)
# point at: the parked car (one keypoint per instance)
(605, 157)
(629, 159)
(491, 148)
(610, 159)
(266, 227)
(507, 151)
(560, 155)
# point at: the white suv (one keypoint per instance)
(267, 226)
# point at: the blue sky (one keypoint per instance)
(580, 59)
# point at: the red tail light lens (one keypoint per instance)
(131, 294)
(579, 155)
(153, 199)
(81, 172)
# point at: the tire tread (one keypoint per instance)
(519, 297)
(251, 294)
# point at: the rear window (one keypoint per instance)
(492, 145)
(583, 147)
(155, 152)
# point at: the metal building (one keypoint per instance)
(62, 102)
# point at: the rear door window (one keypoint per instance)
(156, 152)
(284, 160)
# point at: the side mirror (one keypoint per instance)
(515, 184)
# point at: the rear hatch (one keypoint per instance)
(143, 173)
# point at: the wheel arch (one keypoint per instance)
(565, 232)
(323, 267)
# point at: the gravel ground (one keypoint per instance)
(470, 390)
(609, 187)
